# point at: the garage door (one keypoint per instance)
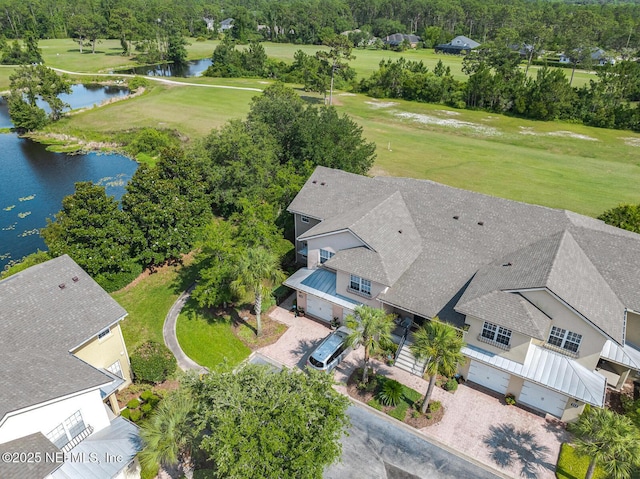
(319, 308)
(542, 399)
(489, 377)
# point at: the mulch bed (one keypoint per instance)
(134, 391)
(362, 395)
(244, 320)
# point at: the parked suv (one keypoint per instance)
(331, 350)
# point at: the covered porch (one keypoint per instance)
(618, 362)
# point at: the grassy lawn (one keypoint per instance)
(208, 339)
(5, 72)
(571, 466)
(148, 301)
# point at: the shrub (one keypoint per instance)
(391, 392)
(146, 408)
(134, 403)
(510, 399)
(146, 395)
(125, 413)
(415, 414)
(137, 82)
(434, 406)
(152, 362)
(451, 385)
(135, 415)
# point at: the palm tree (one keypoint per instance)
(370, 326)
(257, 271)
(440, 345)
(610, 440)
(169, 434)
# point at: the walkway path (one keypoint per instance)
(159, 79)
(171, 339)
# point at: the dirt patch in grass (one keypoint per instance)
(410, 405)
(245, 327)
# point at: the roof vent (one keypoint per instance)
(314, 182)
(61, 286)
(75, 279)
(480, 223)
(400, 231)
(508, 264)
(456, 217)
(323, 183)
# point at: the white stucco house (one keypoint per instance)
(548, 301)
(63, 358)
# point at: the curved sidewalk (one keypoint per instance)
(171, 339)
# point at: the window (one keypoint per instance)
(104, 334)
(116, 369)
(496, 333)
(304, 219)
(58, 436)
(325, 255)
(360, 285)
(65, 432)
(565, 339)
(74, 424)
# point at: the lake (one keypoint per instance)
(193, 68)
(34, 180)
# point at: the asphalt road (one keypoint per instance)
(377, 448)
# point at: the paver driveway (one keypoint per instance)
(476, 424)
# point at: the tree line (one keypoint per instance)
(546, 24)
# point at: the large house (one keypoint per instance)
(63, 358)
(397, 39)
(598, 58)
(548, 300)
(459, 45)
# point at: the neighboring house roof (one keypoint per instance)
(34, 443)
(398, 38)
(592, 266)
(227, 22)
(46, 311)
(119, 439)
(462, 41)
(553, 370)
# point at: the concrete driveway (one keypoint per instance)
(476, 423)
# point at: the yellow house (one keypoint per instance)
(63, 358)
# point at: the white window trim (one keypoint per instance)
(564, 339)
(494, 331)
(360, 282)
(66, 426)
(329, 255)
(116, 369)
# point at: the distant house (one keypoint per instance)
(598, 57)
(457, 46)
(225, 25)
(210, 23)
(397, 39)
(63, 358)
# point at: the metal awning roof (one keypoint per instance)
(320, 283)
(549, 369)
(626, 355)
(119, 440)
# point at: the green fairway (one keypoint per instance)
(191, 110)
(209, 340)
(5, 72)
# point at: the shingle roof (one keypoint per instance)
(463, 233)
(510, 310)
(34, 443)
(387, 227)
(40, 322)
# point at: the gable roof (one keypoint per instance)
(398, 38)
(462, 41)
(467, 235)
(46, 311)
(387, 227)
(33, 443)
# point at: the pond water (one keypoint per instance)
(193, 68)
(34, 181)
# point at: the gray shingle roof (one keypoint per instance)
(34, 443)
(463, 233)
(387, 227)
(40, 322)
(510, 310)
